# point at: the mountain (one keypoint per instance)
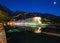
(5, 14)
(5, 9)
(32, 14)
(45, 16)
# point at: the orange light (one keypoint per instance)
(38, 30)
(10, 23)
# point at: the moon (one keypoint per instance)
(54, 3)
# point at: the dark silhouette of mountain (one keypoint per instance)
(33, 14)
(5, 9)
(24, 15)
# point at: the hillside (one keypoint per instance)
(3, 17)
(4, 14)
(5, 9)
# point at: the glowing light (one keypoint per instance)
(54, 3)
(34, 22)
(37, 19)
(44, 25)
(10, 23)
(4, 24)
(14, 30)
(38, 30)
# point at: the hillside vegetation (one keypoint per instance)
(4, 17)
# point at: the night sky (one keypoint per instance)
(41, 6)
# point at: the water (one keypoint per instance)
(32, 38)
(29, 37)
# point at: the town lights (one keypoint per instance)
(30, 24)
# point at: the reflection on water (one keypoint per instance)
(29, 37)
